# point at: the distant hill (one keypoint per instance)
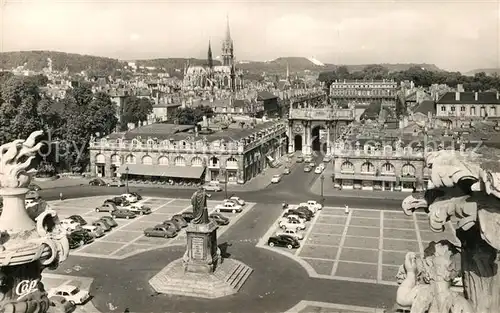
(488, 71)
(396, 67)
(172, 64)
(37, 60)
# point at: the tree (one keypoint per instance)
(135, 110)
(190, 116)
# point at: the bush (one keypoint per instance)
(46, 170)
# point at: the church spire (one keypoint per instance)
(209, 56)
(287, 72)
(228, 31)
(227, 47)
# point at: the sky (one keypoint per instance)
(454, 35)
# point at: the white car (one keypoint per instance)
(318, 170)
(139, 209)
(212, 186)
(292, 233)
(228, 206)
(276, 179)
(292, 224)
(238, 200)
(129, 197)
(70, 293)
(69, 224)
(322, 165)
(315, 204)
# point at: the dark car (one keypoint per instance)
(109, 220)
(118, 201)
(298, 213)
(79, 238)
(97, 182)
(179, 219)
(160, 231)
(188, 216)
(34, 187)
(219, 219)
(59, 304)
(138, 196)
(32, 195)
(173, 224)
(305, 210)
(77, 218)
(107, 207)
(102, 223)
(123, 213)
(283, 241)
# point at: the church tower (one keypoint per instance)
(209, 56)
(227, 47)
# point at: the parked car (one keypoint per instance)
(129, 197)
(238, 200)
(306, 205)
(177, 218)
(276, 179)
(97, 182)
(59, 304)
(188, 216)
(307, 169)
(212, 186)
(109, 220)
(123, 213)
(318, 170)
(286, 216)
(160, 231)
(219, 218)
(302, 215)
(326, 159)
(95, 231)
(138, 196)
(139, 209)
(119, 201)
(283, 241)
(106, 207)
(299, 159)
(314, 204)
(70, 293)
(286, 171)
(292, 224)
(292, 233)
(32, 195)
(69, 224)
(173, 224)
(34, 187)
(305, 211)
(115, 183)
(77, 218)
(102, 224)
(312, 164)
(228, 207)
(77, 239)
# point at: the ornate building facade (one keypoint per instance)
(162, 151)
(215, 77)
(364, 92)
(313, 124)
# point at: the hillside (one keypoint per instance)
(488, 71)
(37, 60)
(172, 64)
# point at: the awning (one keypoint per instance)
(163, 171)
(365, 177)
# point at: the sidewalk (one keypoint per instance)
(329, 191)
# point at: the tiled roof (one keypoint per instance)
(265, 95)
(425, 107)
(469, 98)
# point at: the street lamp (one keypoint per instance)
(126, 172)
(322, 177)
(224, 170)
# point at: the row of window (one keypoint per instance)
(344, 86)
(163, 160)
(472, 110)
(388, 168)
(363, 92)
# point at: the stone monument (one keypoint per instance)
(29, 242)
(464, 188)
(201, 272)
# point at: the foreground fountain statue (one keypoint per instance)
(29, 241)
(201, 272)
(464, 187)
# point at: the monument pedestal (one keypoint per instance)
(201, 272)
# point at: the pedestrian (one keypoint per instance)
(60, 196)
(346, 210)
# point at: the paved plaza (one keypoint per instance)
(127, 239)
(364, 245)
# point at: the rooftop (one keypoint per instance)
(470, 98)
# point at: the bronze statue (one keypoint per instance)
(199, 203)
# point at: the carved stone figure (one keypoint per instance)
(31, 240)
(199, 203)
(465, 187)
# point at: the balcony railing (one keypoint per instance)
(379, 154)
(322, 114)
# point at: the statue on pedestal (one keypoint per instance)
(30, 241)
(464, 186)
(199, 203)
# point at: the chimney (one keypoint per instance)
(475, 96)
(457, 96)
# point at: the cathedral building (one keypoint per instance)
(215, 77)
